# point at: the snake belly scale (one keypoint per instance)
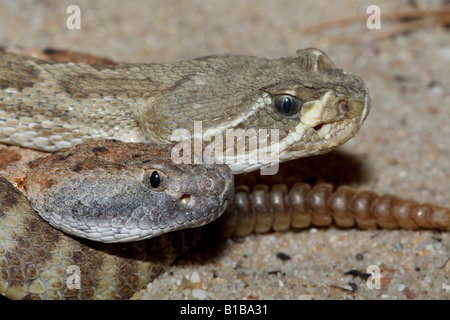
(49, 105)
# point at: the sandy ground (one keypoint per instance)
(402, 149)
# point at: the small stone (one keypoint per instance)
(399, 287)
(199, 294)
(195, 277)
(397, 246)
(283, 256)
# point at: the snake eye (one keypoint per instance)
(287, 105)
(155, 179)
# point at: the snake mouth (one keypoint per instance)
(318, 127)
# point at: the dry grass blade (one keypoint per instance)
(406, 21)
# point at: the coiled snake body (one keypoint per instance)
(48, 105)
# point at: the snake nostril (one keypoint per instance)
(208, 183)
(185, 199)
(343, 107)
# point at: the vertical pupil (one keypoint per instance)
(155, 179)
(287, 105)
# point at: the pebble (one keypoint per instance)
(195, 277)
(399, 287)
(199, 294)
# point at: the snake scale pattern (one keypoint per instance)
(49, 105)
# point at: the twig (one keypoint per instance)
(396, 15)
(421, 18)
